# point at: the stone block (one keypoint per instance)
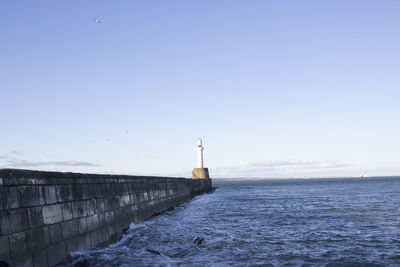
(79, 209)
(134, 199)
(124, 200)
(145, 196)
(117, 226)
(67, 211)
(52, 214)
(82, 226)
(117, 214)
(5, 222)
(18, 245)
(103, 235)
(84, 191)
(115, 202)
(101, 205)
(109, 216)
(2, 203)
(102, 220)
(40, 258)
(94, 238)
(55, 233)
(90, 191)
(71, 246)
(92, 222)
(4, 248)
(11, 198)
(56, 253)
(113, 189)
(91, 207)
(19, 220)
(64, 193)
(38, 238)
(104, 190)
(31, 196)
(77, 192)
(111, 230)
(70, 229)
(35, 216)
(140, 196)
(23, 261)
(50, 194)
(83, 242)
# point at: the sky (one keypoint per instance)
(274, 88)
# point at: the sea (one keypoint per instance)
(288, 222)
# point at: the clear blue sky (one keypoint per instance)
(274, 88)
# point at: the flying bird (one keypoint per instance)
(97, 20)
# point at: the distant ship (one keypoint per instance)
(363, 175)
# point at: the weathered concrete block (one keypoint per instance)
(2, 203)
(145, 196)
(123, 189)
(83, 242)
(40, 258)
(112, 230)
(101, 205)
(31, 196)
(5, 222)
(117, 226)
(94, 238)
(102, 220)
(91, 206)
(104, 190)
(22, 261)
(70, 229)
(133, 199)
(115, 202)
(77, 192)
(38, 238)
(64, 193)
(92, 222)
(126, 213)
(19, 220)
(90, 191)
(55, 233)
(124, 200)
(109, 216)
(103, 234)
(56, 253)
(113, 189)
(82, 225)
(35, 216)
(79, 209)
(4, 248)
(67, 211)
(50, 194)
(18, 245)
(71, 245)
(11, 198)
(52, 214)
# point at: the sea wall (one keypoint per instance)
(44, 216)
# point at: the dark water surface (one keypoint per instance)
(315, 222)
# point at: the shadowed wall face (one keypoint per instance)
(44, 216)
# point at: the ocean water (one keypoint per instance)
(314, 222)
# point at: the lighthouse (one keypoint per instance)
(200, 172)
(200, 149)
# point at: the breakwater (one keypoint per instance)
(44, 216)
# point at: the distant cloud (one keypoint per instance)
(15, 152)
(280, 167)
(7, 161)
